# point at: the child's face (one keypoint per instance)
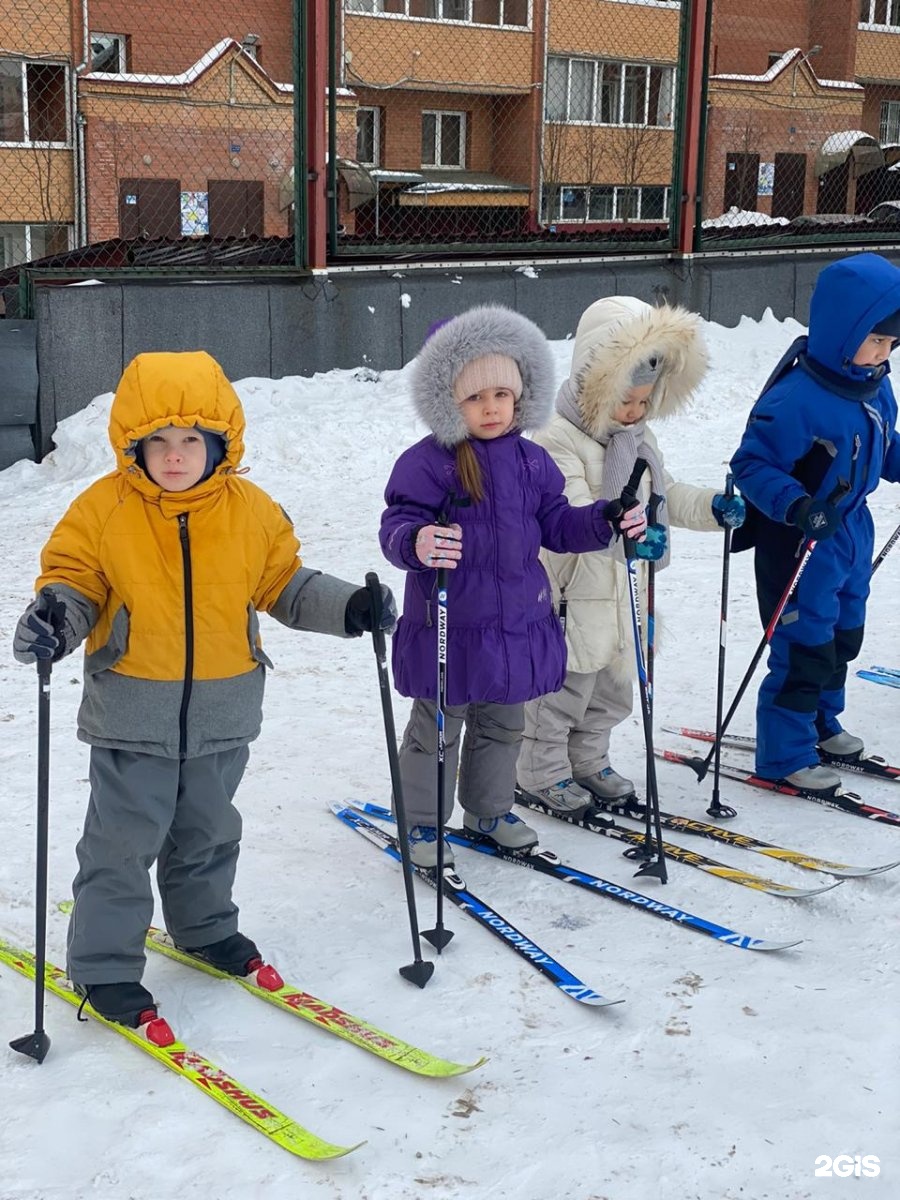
(175, 458)
(489, 413)
(633, 407)
(875, 350)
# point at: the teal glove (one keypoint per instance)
(653, 546)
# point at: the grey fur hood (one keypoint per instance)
(617, 333)
(489, 329)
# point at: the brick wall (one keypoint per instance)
(168, 37)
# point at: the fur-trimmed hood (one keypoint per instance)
(489, 329)
(617, 333)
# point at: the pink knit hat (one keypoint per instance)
(488, 371)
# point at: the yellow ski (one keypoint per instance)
(211, 1080)
(327, 1016)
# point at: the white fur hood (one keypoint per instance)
(616, 334)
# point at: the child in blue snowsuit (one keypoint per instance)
(817, 442)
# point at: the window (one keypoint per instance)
(109, 53)
(583, 203)
(889, 130)
(24, 243)
(880, 12)
(34, 105)
(368, 136)
(443, 139)
(610, 93)
(473, 12)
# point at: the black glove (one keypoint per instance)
(359, 616)
(818, 519)
(39, 633)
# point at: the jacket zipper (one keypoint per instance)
(857, 446)
(188, 632)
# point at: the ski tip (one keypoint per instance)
(762, 945)
(454, 1069)
(792, 893)
(586, 995)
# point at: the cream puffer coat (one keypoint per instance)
(613, 336)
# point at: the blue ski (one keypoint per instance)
(884, 675)
(547, 863)
(456, 891)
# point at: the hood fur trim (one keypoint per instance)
(489, 329)
(614, 335)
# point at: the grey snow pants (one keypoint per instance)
(145, 809)
(487, 765)
(567, 732)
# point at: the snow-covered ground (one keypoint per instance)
(724, 1076)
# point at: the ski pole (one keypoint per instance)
(701, 765)
(885, 550)
(655, 860)
(716, 807)
(439, 936)
(35, 1045)
(652, 513)
(418, 971)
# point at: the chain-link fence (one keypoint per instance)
(156, 133)
(507, 122)
(145, 134)
(803, 125)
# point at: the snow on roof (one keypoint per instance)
(428, 189)
(785, 61)
(736, 217)
(837, 142)
(195, 71)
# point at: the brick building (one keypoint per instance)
(804, 106)
(469, 119)
(36, 149)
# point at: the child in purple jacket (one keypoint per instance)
(478, 499)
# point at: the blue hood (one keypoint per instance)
(850, 298)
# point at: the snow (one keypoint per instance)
(782, 64)
(723, 1076)
(736, 217)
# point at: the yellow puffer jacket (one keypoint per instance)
(172, 581)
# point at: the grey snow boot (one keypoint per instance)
(841, 745)
(607, 785)
(565, 799)
(815, 779)
(423, 847)
(509, 832)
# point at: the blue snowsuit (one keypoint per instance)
(820, 421)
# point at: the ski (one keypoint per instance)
(744, 841)
(546, 862)
(869, 764)
(456, 891)
(848, 802)
(211, 1080)
(327, 1016)
(594, 822)
(882, 675)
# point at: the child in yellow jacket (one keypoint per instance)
(162, 565)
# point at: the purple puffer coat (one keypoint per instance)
(504, 643)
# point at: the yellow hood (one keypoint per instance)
(183, 389)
